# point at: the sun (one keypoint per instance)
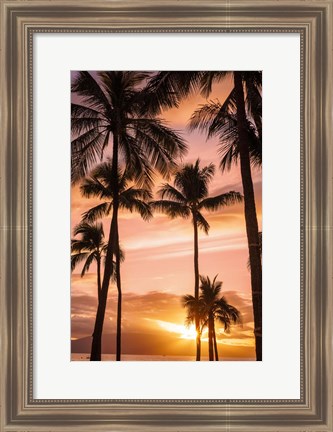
(188, 332)
(182, 331)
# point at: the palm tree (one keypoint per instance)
(195, 314)
(215, 120)
(100, 184)
(89, 248)
(115, 108)
(186, 199)
(260, 247)
(182, 84)
(215, 308)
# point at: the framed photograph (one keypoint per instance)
(166, 216)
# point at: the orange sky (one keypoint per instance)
(158, 268)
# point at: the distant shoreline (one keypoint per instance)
(158, 358)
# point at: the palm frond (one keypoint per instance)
(170, 192)
(85, 85)
(223, 200)
(194, 308)
(105, 143)
(97, 212)
(209, 290)
(77, 258)
(161, 144)
(92, 234)
(202, 223)
(207, 172)
(122, 253)
(122, 87)
(210, 77)
(103, 173)
(86, 151)
(227, 314)
(85, 118)
(215, 306)
(79, 245)
(87, 264)
(93, 187)
(136, 193)
(136, 205)
(208, 117)
(203, 117)
(234, 314)
(167, 89)
(253, 85)
(193, 181)
(228, 153)
(81, 111)
(171, 208)
(227, 109)
(228, 143)
(136, 160)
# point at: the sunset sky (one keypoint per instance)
(158, 266)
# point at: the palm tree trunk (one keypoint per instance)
(210, 338)
(196, 286)
(198, 346)
(96, 346)
(99, 283)
(250, 215)
(118, 349)
(215, 344)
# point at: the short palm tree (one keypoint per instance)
(100, 184)
(114, 113)
(179, 84)
(215, 308)
(90, 248)
(196, 314)
(187, 198)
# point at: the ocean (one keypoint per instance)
(134, 357)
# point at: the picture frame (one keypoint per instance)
(20, 21)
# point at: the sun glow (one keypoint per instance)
(183, 331)
(189, 332)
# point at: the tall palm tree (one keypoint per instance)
(182, 84)
(260, 247)
(186, 199)
(89, 248)
(216, 308)
(114, 110)
(100, 184)
(214, 119)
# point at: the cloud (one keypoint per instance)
(156, 313)
(159, 255)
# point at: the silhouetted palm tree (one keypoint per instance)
(215, 120)
(215, 308)
(186, 199)
(182, 84)
(260, 247)
(115, 110)
(100, 184)
(196, 314)
(89, 248)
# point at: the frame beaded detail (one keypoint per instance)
(111, 402)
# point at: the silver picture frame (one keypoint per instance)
(20, 21)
